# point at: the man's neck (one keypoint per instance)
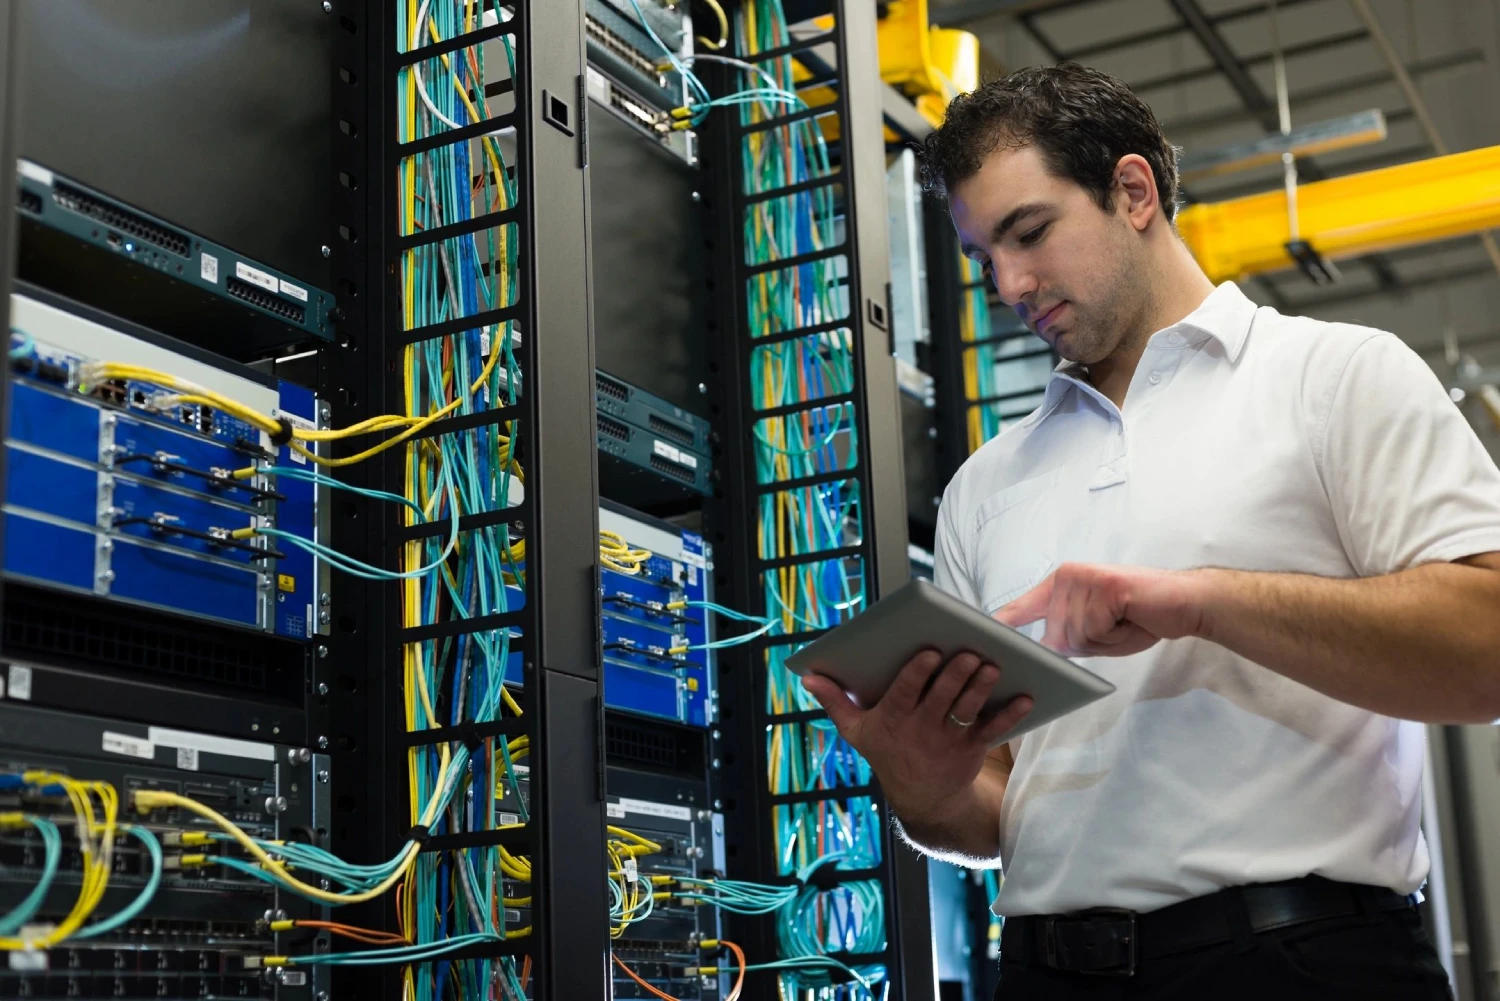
(1180, 289)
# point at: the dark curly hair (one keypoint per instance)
(1080, 120)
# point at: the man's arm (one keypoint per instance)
(1421, 644)
(968, 833)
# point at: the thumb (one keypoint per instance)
(1028, 607)
(834, 700)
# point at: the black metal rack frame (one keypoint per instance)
(563, 709)
(730, 517)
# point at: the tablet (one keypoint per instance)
(866, 653)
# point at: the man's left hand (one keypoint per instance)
(1110, 611)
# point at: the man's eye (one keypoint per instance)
(1033, 236)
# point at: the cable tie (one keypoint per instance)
(419, 834)
(469, 734)
(284, 431)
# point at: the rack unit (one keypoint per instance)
(843, 87)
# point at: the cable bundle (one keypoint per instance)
(458, 896)
(810, 441)
(983, 421)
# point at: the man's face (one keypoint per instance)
(1071, 270)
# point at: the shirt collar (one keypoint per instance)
(1226, 316)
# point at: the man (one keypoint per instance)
(1276, 536)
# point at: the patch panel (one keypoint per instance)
(146, 247)
(193, 935)
(120, 490)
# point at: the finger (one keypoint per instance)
(946, 686)
(1055, 637)
(1028, 607)
(1123, 640)
(906, 691)
(1082, 601)
(989, 730)
(834, 700)
(970, 701)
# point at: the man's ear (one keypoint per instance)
(1136, 183)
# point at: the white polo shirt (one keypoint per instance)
(1252, 441)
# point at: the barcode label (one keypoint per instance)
(255, 276)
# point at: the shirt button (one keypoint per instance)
(1155, 378)
(1174, 339)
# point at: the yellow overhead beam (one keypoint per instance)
(1399, 206)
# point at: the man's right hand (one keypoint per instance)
(926, 761)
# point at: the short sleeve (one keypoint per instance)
(950, 570)
(1409, 480)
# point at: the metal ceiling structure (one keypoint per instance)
(1205, 67)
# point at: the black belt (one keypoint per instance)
(1113, 942)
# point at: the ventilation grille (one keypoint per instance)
(611, 388)
(29, 201)
(669, 468)
(655, 747)
(68, 629)
(123, 220)
(257, 296)
(667, 429)
(613, 428)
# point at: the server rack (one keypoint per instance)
(852, 74)
(560, 697)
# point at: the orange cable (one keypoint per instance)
(634, 976)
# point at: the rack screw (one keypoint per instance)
(298, 755)
(275, 804)
(322, 652)
(718, 804)
(323, 775)
(932, 432)
(322, 688)
(716, 735)
(703, 388)
(324, 618)
(323, 884)
(322, 743)
(716, 763)
(697, 196)
(322, 996)
(105, 576)
(325, 414)
(327, 250)
(327, 9)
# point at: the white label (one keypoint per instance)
(688, 459)
(614, 811)
(629, 870)
(19, 677)
(255, 276)
(208, 267)
(293, 978)
(693, 559)
(662, 448)
(187, 759)
(217, 745)
(484, 345)
(644, 808)
(508, 818)
(28, 960)
(295, 291)
(692, 575)
(135, 747)
(37, 173)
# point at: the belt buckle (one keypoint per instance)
(1130, 940)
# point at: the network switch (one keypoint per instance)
(150, 269)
